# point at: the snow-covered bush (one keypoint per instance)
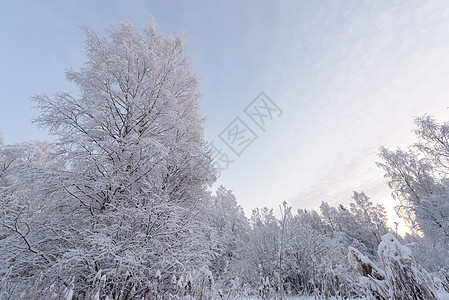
(399, 276)
(406, 279)
(373, 284)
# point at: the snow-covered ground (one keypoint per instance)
(441, 296)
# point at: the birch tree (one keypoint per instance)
(136, 170)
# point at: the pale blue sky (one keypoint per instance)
(349, 76)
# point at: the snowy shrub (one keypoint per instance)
(399, 276)
(372, 277)
(406, 279)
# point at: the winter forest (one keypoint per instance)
(121, 205)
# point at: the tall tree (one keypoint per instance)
(419, 181)
(231, 232)
(417, 178)
(137, 169)
(371, 219)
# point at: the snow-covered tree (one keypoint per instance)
(315, 262)
(371, 220)
(135, 182)
(415, 188)
(329, 217)
(419, 181)
(27, 238)
(136, 125)
(262, 252)
(360, 226)
(418, 178)
(231, 231)
(283, 228)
